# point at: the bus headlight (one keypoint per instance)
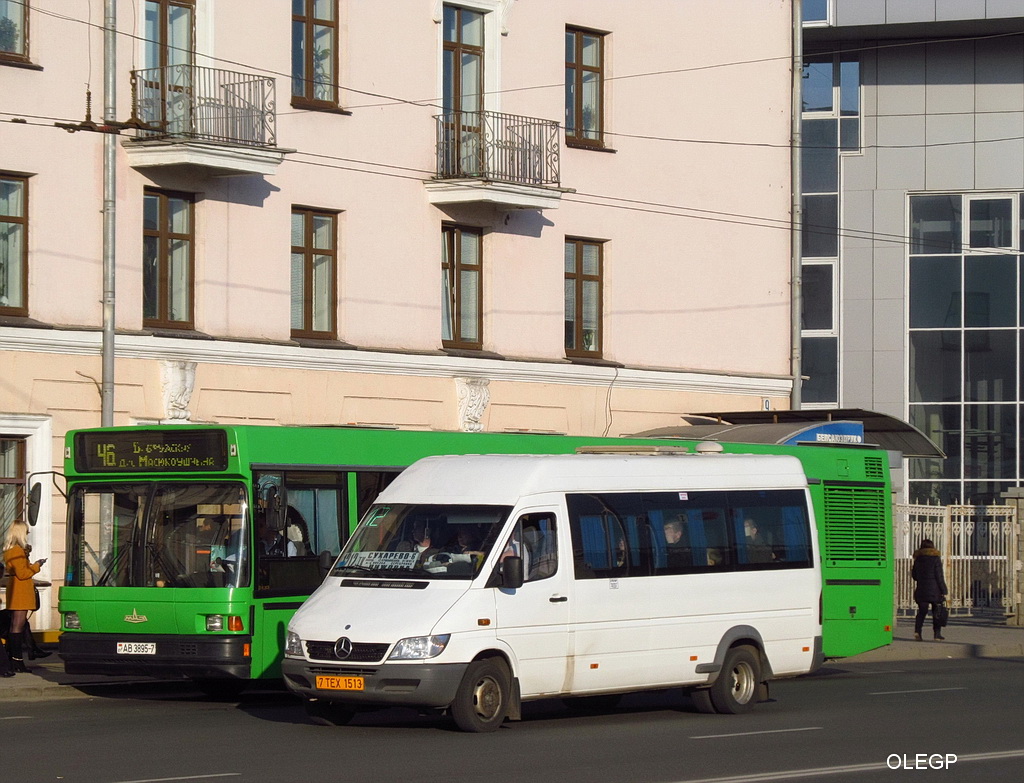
(418, 648)
(293, 645)
(71, 621)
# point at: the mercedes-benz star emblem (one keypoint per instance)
(343, 648)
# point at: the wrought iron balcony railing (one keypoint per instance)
(210, 104)
(500, 147)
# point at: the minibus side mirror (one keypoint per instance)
(512, 572)
(326, 561)
(34, 496)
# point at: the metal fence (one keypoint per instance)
(979, 548)
(194, 102)
(500, 147)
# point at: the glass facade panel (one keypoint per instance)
(820, 154)
(941, 423)
(990, 285)
(935, 292)
(989, 358)
(935, 224)
(821, 226)
(820, 368)
(990, 441)
(991, 222)
(935, 366)
(849, 88)
(818, 82)
(817, 296)
(815, 10)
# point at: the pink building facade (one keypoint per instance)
(564, 216)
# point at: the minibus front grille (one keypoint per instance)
(362, 652)
(338, 671)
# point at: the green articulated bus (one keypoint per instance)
(190, 547)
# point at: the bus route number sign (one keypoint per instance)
(150, 451)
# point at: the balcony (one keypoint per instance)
(502, 159)
(218, 122)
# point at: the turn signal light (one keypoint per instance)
(234, 623)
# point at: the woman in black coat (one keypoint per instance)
(930, 590)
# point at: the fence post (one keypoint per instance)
(1014, 496)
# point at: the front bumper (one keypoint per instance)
(428, 685)
(192, 656)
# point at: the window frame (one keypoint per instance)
(21, 57)
(308, 252)
(579, 277)
(19, 479)
(573, 138)
(451, 235)
(163, 236)
(22, 220)
(162, 44)
(307, 99)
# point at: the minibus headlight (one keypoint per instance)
(418, 648)
(71, 621)
(293, 645)
(214, 622)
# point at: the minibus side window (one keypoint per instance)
(534, 539)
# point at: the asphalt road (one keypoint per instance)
(854, 722)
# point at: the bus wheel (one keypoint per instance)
(738, 683)
(221, 688)
(327, 713)
(482, 698)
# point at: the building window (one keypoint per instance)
(168, 35)
(314, 273)
(462, 91)
(461, 285)
(13, 245)
(583, 276)
(584, 87)
(12, 479)
(14, 30)
(816, 13)
(167, 259)
(965, 369)
(315, 53)
(830, 127)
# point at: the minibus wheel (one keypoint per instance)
(327, 713)
(738, 683)
(481, 701)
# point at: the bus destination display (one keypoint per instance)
(150, 451)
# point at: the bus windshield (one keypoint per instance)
(423, 541)
(158, 534)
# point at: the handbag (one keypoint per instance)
(941, 615)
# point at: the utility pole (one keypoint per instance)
(796, 230)
(109, 208)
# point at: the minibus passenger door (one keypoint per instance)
(534, 619)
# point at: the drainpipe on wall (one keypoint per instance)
(796, 274)
(109, 206)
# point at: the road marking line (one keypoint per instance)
(750, 733)
(922, 690)
(843, 770)
(187, 777)
(15, 717)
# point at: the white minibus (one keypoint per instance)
(477, 583)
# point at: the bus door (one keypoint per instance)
(534, 619)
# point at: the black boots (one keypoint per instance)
(34, 650)
(14, 652)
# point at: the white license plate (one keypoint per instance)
(136, 648)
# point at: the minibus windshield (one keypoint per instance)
(426, 541)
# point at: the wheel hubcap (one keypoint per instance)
(742, 683)
(487, 698)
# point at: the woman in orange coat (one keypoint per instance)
(21, 593)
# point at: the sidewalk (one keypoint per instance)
(965, 638)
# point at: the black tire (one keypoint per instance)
(738, 683)
(482, 699)
(327, 713)
(702, 701)
(605, 702)
(221, 688)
